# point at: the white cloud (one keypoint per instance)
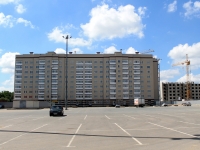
(1, 51)
(172, 7)
(60, 51)
(130, 50)
(166, 75)
(7, 62)
(26, 22)
(193, 78)
(6, 21)
(5, 2)
(20, 9)
(57, 36)
(9, 21)
(178, 54)
(110, 50)
(76, 51)
(109, 23)
(141, 11)
(8, 85)
(192, 8)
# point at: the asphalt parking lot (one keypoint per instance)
(150, 128)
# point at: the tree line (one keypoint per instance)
(6, 96)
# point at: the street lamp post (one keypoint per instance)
(66, 38)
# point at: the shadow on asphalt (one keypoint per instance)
(106, 136)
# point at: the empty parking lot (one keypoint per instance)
(102, 128)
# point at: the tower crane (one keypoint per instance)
(147, 51)
(187, 63)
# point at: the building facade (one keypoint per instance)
(173, 91)
(95, 79)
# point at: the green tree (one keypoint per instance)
(6, 96)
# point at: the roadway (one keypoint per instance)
(157, 128)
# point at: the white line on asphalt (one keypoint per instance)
(129, 134)
(107, 117)
(85, 117)
(150, 116)
(129, 116)
(173, 130)
(38, 118)
(18, 118)
(21, 135)
(188, 123)
(74, 136)
(5, 127)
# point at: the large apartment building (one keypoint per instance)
(173, 91)
(96, 79)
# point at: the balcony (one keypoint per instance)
(54, 62)
(41, 77)
(125, 67)
(54, 67)
(125, 62)
(125, 82)
(125, 78)
(55, 77)
(125, 72)
(112, 77)
(112, 82)
(41, 87)
(41, 72)
(54, 92)
(112, 97)
(126, 87)
(136, 72)
(137, 92)
(125, 92)
(18, 88)
(18, 68)
(136, 88)
(136, 63)
(112, 92)
(112, 62)
(136, 78)
(79, 98)
(112, 87)
(125, 97)
(41, 82)
(41, 62)
(136, 82)
(112, 67)
(112, 72)
(40, 67)
(54, 72)
(18, 63)
(17, 93)
(54, 82)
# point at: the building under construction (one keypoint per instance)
(171, 91)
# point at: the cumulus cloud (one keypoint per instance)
(60, 51)
(8, 85)
(6, 21)
(141, 11)
(166, 75)
(109, 23)
(57, 33)
(192, 9)
(76, 51)
(178, 54)
(130, 50)
(5, 2)
(9, 21)
(20, 9)
(26, 22)
(7, 62)
(110, 50)
(172, 7)
(193, 78)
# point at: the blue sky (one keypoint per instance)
(169, 27)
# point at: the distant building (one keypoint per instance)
(96, 79)
(171, 91)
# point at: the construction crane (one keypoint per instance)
(187, 63)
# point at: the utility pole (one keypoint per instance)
(66, 77)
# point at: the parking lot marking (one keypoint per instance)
(18, 118)
(129, 134)
(129, 116)
(38, 118)
(85, 117)
(74, 136)
(5, 127)
(173, 130)
(189, 123)
(21, 135)
(107, 117)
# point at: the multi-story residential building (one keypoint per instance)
(173, 91)
(97, 79)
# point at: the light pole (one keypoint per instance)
(66, 38)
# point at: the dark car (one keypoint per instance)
(117, 106)
(56, 111)
(1, 106)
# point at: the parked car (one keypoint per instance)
(1, 106)
(56, 110)
(164, 105)
(117, 106)
(186, 104)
